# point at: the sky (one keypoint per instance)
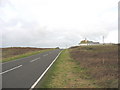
(57, 23)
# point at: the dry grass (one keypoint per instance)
(101, 62)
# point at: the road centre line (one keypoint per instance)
(11, 69)
(35, 59)
(45, 55)
(33, 86)
(13, 60)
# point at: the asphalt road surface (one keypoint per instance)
(26, 72)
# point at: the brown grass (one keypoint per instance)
(101, 62)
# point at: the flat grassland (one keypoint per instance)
(84, 67)
(12, 53)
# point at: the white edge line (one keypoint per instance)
(44, 73)
(11, 69)
(13, 60)
(9, 61)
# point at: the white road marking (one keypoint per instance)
(35, 59)
(44, 73)
(45, 55)
(16, 60)
(11, 69)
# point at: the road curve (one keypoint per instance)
(25, 72)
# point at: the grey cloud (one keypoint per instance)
(31, 34)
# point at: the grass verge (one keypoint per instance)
(66, 73)
(24, 55)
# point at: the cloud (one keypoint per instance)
(51, 23)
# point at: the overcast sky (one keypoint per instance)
(51, 23)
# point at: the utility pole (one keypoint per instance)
(66, 46)
(103, 40)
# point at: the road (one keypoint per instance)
(26, 72)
